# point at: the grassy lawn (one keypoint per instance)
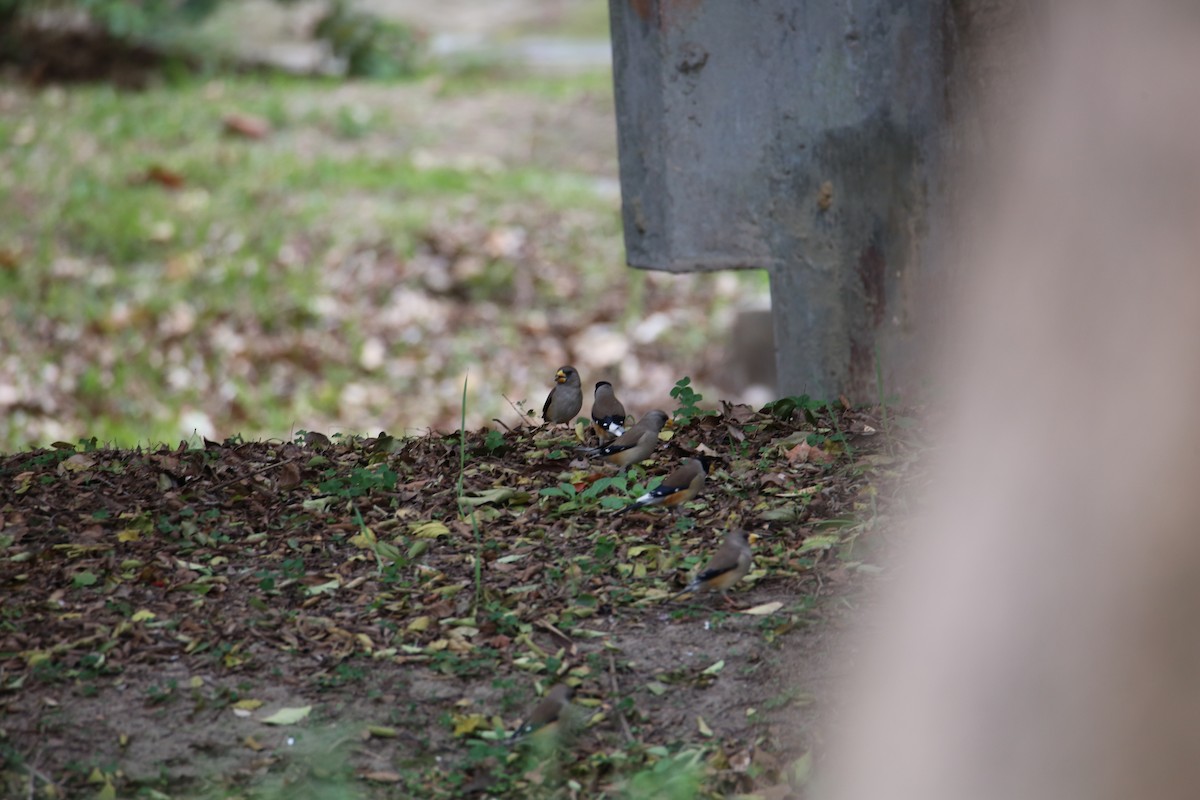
(161, 276)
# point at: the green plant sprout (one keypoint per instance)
(688, 400)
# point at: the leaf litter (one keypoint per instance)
(347, 586)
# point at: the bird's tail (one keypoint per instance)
(691, 587)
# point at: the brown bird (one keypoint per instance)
(680, 486)
(565, 399)
(547, 712)
(608, 415)
(728, 566)
(635, 445)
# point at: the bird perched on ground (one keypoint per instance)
(547, 712)
(728, 566)
(608, 415)
(635, 444)
(565, 399)
(677, 488)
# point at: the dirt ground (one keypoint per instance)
(160, 606)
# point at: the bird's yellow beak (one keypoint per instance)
(752, 539)
(560, 377)
(669, 424)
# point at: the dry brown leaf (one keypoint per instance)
(773, 478)
(167, 178)
(799, 453)
(382, 776)
(289, 475)
(246, 125)
(818, 456)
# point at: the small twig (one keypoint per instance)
(616, 690)
(520, 414)
(35, 774)
(566, 640)
(501, 422)
(258, 471)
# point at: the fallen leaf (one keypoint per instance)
(740, 762)
(381, 732)
(329, 587)
(76, 463)
(365, 538)
(702, 726)
(819, 542)
(246, 125)
(167, 178)
(318, 503)
(764, 609)
(466, 724)
(776, 478)
(289, 475)
(287, 716)
(23, 481)
(428, 530)
(382, 776)
(500, 494)
(799, 453)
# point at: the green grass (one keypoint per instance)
(104, 253)
(251, 296)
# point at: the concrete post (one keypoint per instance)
(797, 136)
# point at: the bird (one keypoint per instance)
(684, 483)
(635, 444)
(547, 712)
(728, 566)
(608, 415)
(565, 399)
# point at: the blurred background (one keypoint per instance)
(253, 218)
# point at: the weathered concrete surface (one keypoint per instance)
(794, 136)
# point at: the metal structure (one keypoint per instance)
(795, 136)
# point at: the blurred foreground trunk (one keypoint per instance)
(1040, 641)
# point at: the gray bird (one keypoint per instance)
(684, 483)
(547, 712)
(636, 444)
(565, 399)
(728, 566)
(608, 415)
